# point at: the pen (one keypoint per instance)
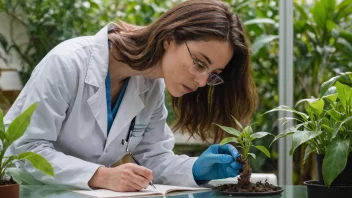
(151, 182)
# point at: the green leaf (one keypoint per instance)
(22, 177)
(326, 85)
(346, 35)
(335, 159)
(343, 9)
(344, 93)
(330, 6)
(260, 21)
(317, 105)
(229, 130)
(288, 109)
(227, 140)
(337, 116)
(249, 129)
(237, 122)
(281, 135)
(258, 135)
(299, 25)
(344, 3)
(338, 126)
(319, 14)
(253, 155)
(331, 25)
(307, 152)
(288, 131)
(300, 137)
(332, 90)
(20, 124)
(38, 161)
(331, 98)
(264, 150)
(247, 132)
(263, 41)
(286, 119)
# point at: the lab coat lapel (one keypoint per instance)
(96, 74)
(98, 106)
(130, 106)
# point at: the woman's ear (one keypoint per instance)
(167, 42)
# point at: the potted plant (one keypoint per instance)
(15, 130)
(244, 140)
(325, 126)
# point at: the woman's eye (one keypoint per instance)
(200, 67)
(200, 64)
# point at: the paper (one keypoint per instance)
(160, 190)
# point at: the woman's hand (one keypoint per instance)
(124, 178)
(217, 162)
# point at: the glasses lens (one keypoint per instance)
(214, 79)
(198, 69)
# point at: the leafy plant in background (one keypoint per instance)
(323, 37)
(244, 140)
(322, 48)
(325, 125)
(15, 130)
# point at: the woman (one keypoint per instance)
(90, 90)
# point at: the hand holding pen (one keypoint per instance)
(126, 141)
(137, 162)
(128, 177)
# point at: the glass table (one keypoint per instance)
(43, 191)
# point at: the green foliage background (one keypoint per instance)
(322, 46)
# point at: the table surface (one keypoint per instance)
(35, 191)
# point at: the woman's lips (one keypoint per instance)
(188, 89)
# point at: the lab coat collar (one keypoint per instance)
(99, 62)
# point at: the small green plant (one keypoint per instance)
(324, 126)
(15, 130)
(244, 140)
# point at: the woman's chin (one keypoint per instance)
(175, 94)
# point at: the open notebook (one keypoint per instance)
(160, 190)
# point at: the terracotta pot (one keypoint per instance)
(10, 191)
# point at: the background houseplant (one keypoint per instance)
(15, 130)
(325, 126)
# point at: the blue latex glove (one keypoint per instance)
(217, 162)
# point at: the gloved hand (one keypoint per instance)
(217, 162)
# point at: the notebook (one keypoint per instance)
(160, 190)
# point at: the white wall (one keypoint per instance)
(9, 80)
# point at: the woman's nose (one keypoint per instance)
(202, 80)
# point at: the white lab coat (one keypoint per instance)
(69, 126)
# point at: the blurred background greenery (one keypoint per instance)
(322, 47)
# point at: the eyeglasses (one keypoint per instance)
(199, 69)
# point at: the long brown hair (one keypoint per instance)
(142, 48)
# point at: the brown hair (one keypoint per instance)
(142, 48)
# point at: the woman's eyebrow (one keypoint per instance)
(206, 57)
(208, 60)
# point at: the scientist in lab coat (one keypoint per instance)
(89, 90)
